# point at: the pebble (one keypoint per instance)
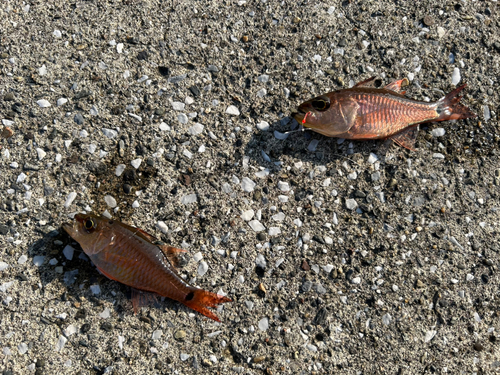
(119, 169)
(261, 93)
(264, 324)
(162, 226)
(41, 154)
(71, 197)
(105, 314)
(260, 261)
(60, 343)
(263, 126)
(274, 231)
(68, 252)
(22, 259)
(110, 133)
(233, 110)
(429, 335)
(95, 289)
(180, 335)
(43, 103)
(184, 356)
(372, 158)
(182, 118)
(196, 129)
(351, 204)
(386, 319)
(178, 106)
(455, 77)
(78, 119)
(247, 185)
(136, 163)
(202, 268)
(356, 280)
(438, 132)
(264, 78)
(438, 155)
(248, 215)
(189, 198)
(157, 334)
(3, 266)
(486, 113)
(110, 201)
(283, 186)
(61, 101)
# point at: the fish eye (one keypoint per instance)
(89, 224)
(320, 104)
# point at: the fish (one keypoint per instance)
(135, 258)
(364, 112)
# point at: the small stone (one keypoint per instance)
(196, 129)
(264, 78)
(441, 32)
(356, 280)
(156, 334)
(202, 268)
(372, 158)
(182, 118)
(256, 225)
(71, 197)
(61, 101)
(60, 343)
(68, 252)
(419, 284)
(189, 198)
(162, 226)
(455, 77)
(283, 186)
(274, 231)
(261, 93)
(136, 163)
(438, 132)
(386, 319)
(429, 335)
(351, 204)
(41, 153)
(306, 286)
(110, 133)
(78, 119)
(43, 103)
(248, 215)
(260, 261)
(178, 106)
(438, 155)
(478, 347)
(119, 169)
(264, 324)
(110, 201)
(180, 335)
(233, 110)
(247, 185)
(263, 126)
(184, 356)
(429, 20)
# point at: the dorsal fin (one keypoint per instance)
(397, 86)
(172, 254)
(370, 82)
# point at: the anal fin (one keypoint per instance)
(406, 138)
(141, 299)
(397, 86)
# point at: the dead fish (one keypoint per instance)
(365, 112)
(131, 256)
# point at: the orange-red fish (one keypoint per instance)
(130, 256)
(365, 112)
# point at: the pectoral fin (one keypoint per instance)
(406, 138)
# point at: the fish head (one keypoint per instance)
(92, 232)
(331, 114)
(314, 113)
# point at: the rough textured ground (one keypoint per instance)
(406, 282)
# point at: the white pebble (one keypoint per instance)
(429, 335)
(372, 158)
(264, 324)
(136, 163)
(162, 226)
(196, 129)
(438, 155)
(438, 132)
(110, 201)
(119, 169)
(247, 185)
(41, 154)
(184, 357)
(60, 343)
(105, 314)
(351, 204)
(386, 319)
(57, 33)
(95, 289)
(263, 126)
(22, 259)
(70, 330)
(455, 77)
(71, 197)
(202, 268)
(264, 78)
(110, 133)
(261, 93)
(256, 225)
(182, 118)
(164, 127)
(233, 110)
(279, 216)
(43, 103)
(42, 70)
(21, 177)
(356, 280)
(283, 186)
(61, 101)
(190, 198)
(157, 334)
(119, 47)
(486, 113)
(273, 231)
(248, 215)
(178, 106)
(135, 204)
(3, 266)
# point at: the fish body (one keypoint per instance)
(364, 112)
(130, 256)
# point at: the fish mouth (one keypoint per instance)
(70, 228)
(298, 115)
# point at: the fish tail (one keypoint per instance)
(449, 107)
(199, 300)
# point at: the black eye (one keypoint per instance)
(89, 224)
(321, 104)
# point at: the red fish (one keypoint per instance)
(130, 256)
(365, 112)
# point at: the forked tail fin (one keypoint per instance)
(200, 300)
(449, 107)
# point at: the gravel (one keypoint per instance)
(175, 118)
